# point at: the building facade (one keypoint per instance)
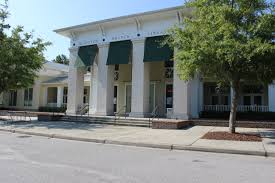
(121, 66)
(134, 73)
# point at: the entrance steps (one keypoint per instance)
(109, 120)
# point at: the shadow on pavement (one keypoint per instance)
(54, 125)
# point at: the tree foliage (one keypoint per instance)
(21, 56)
(226, 40)
(61, 59)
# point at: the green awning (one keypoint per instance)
(119, 52)
(86, 56)
(155, 51)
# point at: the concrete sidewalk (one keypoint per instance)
(185, 139)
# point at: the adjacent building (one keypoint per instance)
(49, 90)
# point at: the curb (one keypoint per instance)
(137, 144)
(225, 151)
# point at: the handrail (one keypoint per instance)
(84, 108)
(153, 115)
(123, 108)
(25, 115)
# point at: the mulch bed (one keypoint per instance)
(233, 137)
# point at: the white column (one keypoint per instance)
(36, 94)
(20, 99)
(104, 84)
(140, 81)
(60, 90)
(93, 89)
(45, 96)
(181, 98)
(271, 97)
(75, 84)
(195, 97)
(201, 96)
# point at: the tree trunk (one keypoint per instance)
(234, 104)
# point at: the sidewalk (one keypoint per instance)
(185, 139)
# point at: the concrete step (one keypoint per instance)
(106, 120)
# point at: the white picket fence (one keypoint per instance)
(241, 108)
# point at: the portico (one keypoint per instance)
(133, 72)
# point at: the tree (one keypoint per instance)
(61, 59)
(231, 41)
(21, 56)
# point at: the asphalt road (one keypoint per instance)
(30, 159)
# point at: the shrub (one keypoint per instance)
(53, 109)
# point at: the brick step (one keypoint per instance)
(225, 123)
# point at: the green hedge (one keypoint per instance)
(53, 109)
(240, 115)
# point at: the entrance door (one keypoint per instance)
(128, 98)
(115, 98)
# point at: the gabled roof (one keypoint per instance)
(56, 66)
(64, 79)
(57, 80)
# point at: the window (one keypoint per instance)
(225, 100)
(116, 67)
(246, 100)
(65, 95)
(214, 100)
(28, 95)
(116, 74)
(12, 98)
(169, 96)
(169, 64)
(52, 95)
(257, 100)
(169, 69)
(253, 89)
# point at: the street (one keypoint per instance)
(31, 159)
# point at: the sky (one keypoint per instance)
(44, 16)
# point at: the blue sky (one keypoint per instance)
(43, 16)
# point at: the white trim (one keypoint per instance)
(121, 18)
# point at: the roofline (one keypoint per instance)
(116, 18)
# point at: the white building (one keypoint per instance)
(118, 65)
(48, 90)
(130, 71)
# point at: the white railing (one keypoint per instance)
(241, 108)
(253, 108)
